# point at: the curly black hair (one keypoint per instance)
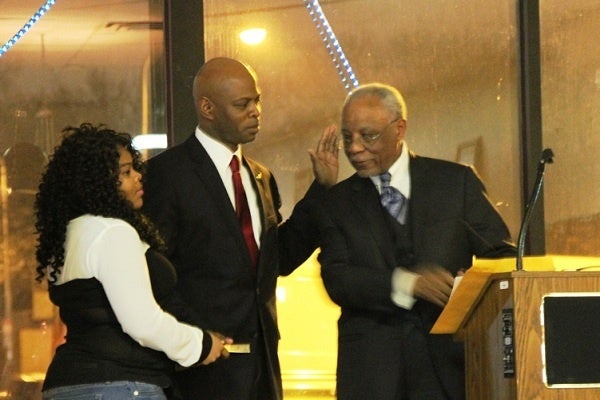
(82, 177)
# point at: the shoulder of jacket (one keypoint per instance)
(438, 163)
(259, 170)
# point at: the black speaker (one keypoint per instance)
(571, 339)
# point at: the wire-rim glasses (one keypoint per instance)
(366, 138)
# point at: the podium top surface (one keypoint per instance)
(467, 294)
(539, 263)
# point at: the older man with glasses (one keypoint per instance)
(393, 237)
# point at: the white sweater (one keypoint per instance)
(111, 251)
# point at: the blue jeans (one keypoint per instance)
(119, 390)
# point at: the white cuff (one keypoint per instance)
(403, 284)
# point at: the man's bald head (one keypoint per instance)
(211, 76)
(227, 100)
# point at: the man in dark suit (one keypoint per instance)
(392, 272)
(193, 199)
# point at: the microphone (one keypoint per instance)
(547, 158)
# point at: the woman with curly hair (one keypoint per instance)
(100, 257)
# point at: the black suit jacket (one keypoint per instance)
(451, 219)
(186, 199)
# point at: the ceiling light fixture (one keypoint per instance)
(253, 36)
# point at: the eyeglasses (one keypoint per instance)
(366, 137)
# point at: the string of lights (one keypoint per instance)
(342, 65)
(34, 18)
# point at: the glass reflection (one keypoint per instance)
(456, 64)
(571, 125)
(82, 61)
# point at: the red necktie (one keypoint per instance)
(242, 210)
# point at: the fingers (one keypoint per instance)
(328, 142)
(218, 349)
(435, 286)
(330, 139)
(219, 336)
(224, 341)
(325, 158)
(224, 353)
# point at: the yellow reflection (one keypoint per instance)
(33, 377)
(253, 36)
(308, 325)
(280, 294)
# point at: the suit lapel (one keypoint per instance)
(208, 175)
(421, 199)
(368, 210)
(268, 205)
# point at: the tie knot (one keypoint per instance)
(386, 178)
(234, 164)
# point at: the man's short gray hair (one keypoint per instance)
(389, 95)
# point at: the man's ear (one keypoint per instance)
(206, 108)
(401, 126)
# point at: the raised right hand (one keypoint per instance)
(325, 159)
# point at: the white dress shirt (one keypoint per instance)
(403, 280)
(221, 157)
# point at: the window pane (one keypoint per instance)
(455, 62)
(571, 125)
(83, 61)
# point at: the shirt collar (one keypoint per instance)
(217, 151)
(400, 173)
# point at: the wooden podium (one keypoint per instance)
(530, 334)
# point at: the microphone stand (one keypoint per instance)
(547, 158)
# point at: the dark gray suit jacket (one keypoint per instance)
(185, 198)
(451, 219)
